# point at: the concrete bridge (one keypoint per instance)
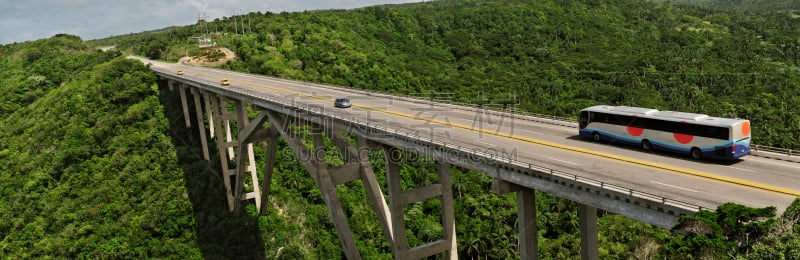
(491, 142)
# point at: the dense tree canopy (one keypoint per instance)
(550, 57)
(86, 170)
(94, 161)
(747, 5)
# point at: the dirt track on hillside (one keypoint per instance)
(229, 55)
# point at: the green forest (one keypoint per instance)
(95, 161)
(548, 57)
(747, 5)
(86, 169)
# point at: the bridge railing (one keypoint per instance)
(476, 154)
(782, 151)
(759, 150)
(473, 153)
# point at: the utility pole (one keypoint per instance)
(205, 22)
(235, 28)
(242, 13)
(201, 20)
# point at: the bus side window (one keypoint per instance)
(718, 133)
(625, 120)
(663, 125)
(681, 128)
(599, 117)
(605, 118)
(638, 122)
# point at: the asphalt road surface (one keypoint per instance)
(751, 181)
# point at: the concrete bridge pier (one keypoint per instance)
(588, 219)
(526, 217)
(526, 214)
(198, 109)
(216, 107)
(399, 199)
(235, 155)
(314, 161)
(357, 167)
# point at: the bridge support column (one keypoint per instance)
(359, 157)
(317, 168)
(325, 183)
(448, 212)
(198, 109)
(228, 135)
(219, 105)
(209, 113)
(246, 159)
(357, 166)
(269, 166)
(399, 199)
(589, 246)
(526, 217)
(182, 91)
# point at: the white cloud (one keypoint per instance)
(92, 19)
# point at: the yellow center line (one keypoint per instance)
(550, 144)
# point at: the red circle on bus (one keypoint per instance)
(746, 128)
(635, 131)
(683, 138)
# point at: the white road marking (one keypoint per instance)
(784, 165)
(741, 169)
(673, 186)
(485, 143)
(529, 131)
(554, 159)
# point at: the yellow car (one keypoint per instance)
(225, 82)
(180, 72)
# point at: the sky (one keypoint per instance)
(26, 20)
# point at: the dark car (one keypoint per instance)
(342, 103)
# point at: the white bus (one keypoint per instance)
(699, 135)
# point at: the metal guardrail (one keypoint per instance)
(759, 150)
(473, 153)
(782, 151)
(775, 153)
(491, 157)
(793, 155)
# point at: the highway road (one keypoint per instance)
(752, 181)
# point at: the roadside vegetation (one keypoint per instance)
(95, 161)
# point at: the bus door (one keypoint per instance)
(583, 120)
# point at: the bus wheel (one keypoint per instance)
(596, 136)
(696, 153)
(646, 145)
